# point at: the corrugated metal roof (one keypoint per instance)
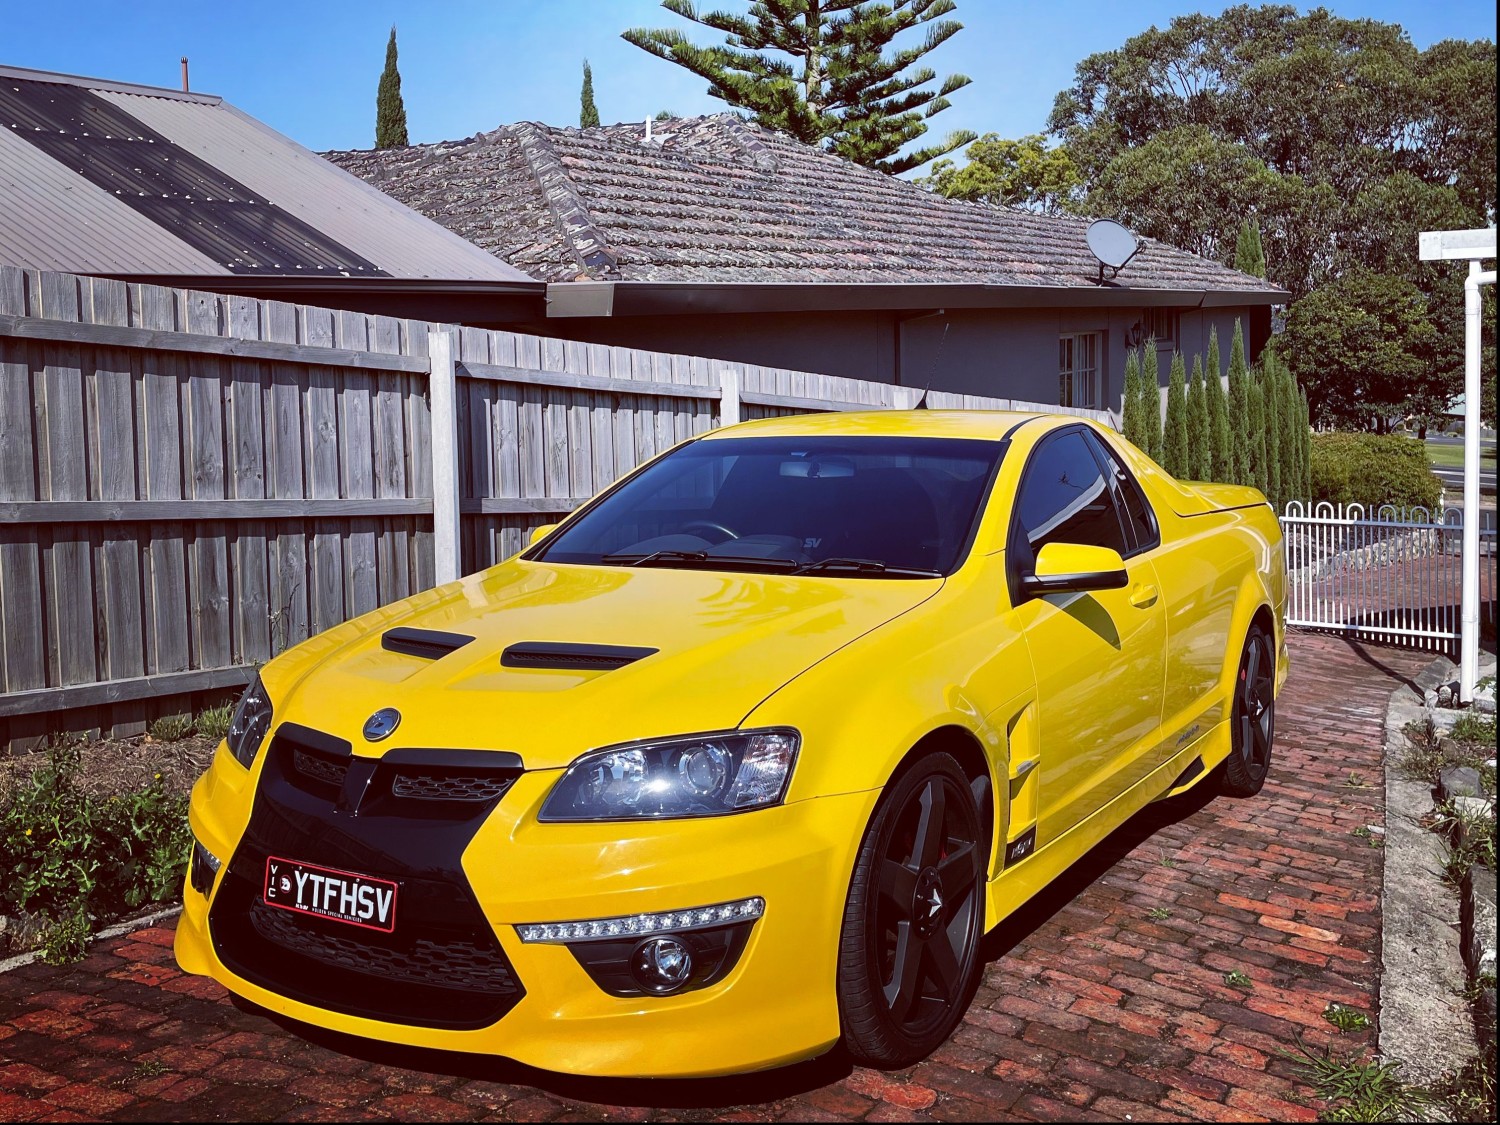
(51, 217)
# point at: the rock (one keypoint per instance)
(1484, 1020)
(1444, 695)
(1430, 697)
(1474, 808)
(1484, 704)
(1459, 781)
(1477, 919)
(21, 933)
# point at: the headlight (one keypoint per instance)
(251, 723)
(698, 775)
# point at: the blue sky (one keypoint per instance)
(310, 68)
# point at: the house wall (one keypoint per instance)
(1005, 353)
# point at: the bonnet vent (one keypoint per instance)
(426, 643)
(571, 657)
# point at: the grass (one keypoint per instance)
(1159, 912)
(1426, 756)
(214, 721)
(1450, 455)
(171, 728)
(1471, 840)
(1236, 979)
(1474, 727)
(1362, 1091)
(1346, 1019)
(1469, 1095)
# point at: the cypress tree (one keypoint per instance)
(1175, 437)
(390, 110)
(1200, 450)
(1151, 401)
(1220, 465)
(588, 113)
(1291, 452)
(1270, 381)
(1255, 433)
(1304, 440)
(1131, 408)
(1249, 257)
(1242, 467)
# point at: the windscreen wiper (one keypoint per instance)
(700, 558)
(865, 566)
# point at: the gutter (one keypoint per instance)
(653, 298)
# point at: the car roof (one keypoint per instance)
(983, 424)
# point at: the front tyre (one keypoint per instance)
(909, 952)
(1252, 723)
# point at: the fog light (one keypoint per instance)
(662, 964)
(204, 866)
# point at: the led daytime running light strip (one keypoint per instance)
(633, 925)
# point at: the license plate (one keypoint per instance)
(342, 896)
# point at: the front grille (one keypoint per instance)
(449, 964)
(319, 769)
(450, 787)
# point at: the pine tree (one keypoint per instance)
(1130, 410)
(1255, 433)
(1151, 402)
(1175, 437)
(1200, 449)
(1249, 257)
(822, 72)
(1270, 382)
(588, 113)
(1222, 463)
(1243, 468)
(390, 110)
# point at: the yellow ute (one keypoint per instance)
(746, 755)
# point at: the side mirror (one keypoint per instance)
(1069, 567)
(540, 533)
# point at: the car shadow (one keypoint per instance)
(762, 1086)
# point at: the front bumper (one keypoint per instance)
(777, 1004)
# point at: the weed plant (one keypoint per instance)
(76, 858)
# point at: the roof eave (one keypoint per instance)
(655, 298)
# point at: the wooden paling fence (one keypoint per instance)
(192, 482)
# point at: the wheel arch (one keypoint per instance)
(965, 747)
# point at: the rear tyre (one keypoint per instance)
(1252, 722)
(909, 952)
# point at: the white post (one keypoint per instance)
(729, 395)
(1468, 661)
(442, 394)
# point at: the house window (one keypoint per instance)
(1164, 326)
(1078, 375)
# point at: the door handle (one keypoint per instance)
(1143, 595)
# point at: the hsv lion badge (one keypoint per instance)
(380, 724)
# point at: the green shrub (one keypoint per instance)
(214, 721)
(1372, 469)
(170, 728)
(69, 855)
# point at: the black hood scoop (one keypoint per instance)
(426, 643)
(561, 656)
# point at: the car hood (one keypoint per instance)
(724, 641)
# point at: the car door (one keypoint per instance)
(1099, 656)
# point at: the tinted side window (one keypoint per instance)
(1139, 518)
(1064, 497)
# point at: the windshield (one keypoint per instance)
(894, 507)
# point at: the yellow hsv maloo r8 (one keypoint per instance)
(744, 757)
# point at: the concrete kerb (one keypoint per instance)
(124, 927)
(1424, 1021)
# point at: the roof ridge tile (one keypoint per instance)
(569, 212)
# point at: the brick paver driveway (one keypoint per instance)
(1106, 999)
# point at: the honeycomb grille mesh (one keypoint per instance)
(449, 787)
(452, 964)
(319, 769)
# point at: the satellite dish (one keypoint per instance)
(1113, 244)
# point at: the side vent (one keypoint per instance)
(571, 657)
(426, 643)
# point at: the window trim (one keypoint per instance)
(1119, 480)
(1098, 336)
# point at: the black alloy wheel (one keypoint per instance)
(1252, 724)
(909, 953)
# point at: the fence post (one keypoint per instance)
(729, 397)
(442, 394)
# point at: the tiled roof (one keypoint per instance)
(717, 199)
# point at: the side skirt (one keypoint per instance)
(1017, 884)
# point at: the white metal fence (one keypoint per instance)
(1393, 576)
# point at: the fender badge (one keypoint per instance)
(381, 724)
